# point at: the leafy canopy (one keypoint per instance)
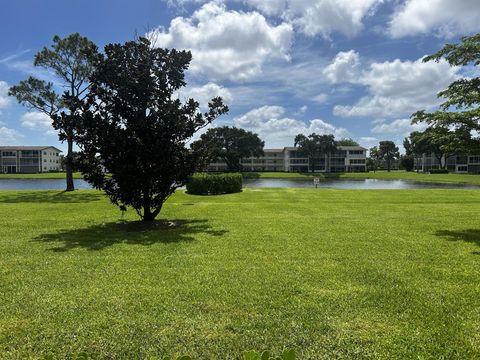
(231, 145)
(315, 146)
(136, 129)
(70, 60)
(462, 98)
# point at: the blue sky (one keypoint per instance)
(348, 67)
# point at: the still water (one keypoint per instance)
(59, 184)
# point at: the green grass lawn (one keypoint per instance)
(52, 175)
(334, 274)
(393, 175)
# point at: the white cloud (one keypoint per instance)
(9, 136)
(368, 141)
(446, 18)
(399, 126)
(37, 121)
(398, 88)
(227, 44)
(312, 17)
(4, 99)
(269, 7)
(203, 94)
(278, 130)
(321, 98)
(324, 17)
(343, 68)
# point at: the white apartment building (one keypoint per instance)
(345, 159)
(29, 159)
(456, 163)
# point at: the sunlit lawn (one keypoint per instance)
(331, 273)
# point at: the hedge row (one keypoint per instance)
(439, 171)
(214, 184)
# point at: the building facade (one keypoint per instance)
(345, 159)
(29, 159)
(456, 163)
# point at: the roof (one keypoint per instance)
(28, 148)
(273, 150)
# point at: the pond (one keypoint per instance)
(59, 184)
(360, 184)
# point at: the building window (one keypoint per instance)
(474, 159)
(355, 152)
(8, 153)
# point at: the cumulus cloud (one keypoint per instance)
(37, 121)
(398, 88)
(446, 18)
(343, 68)
(4, 99)
(279, 130)
(312, 17)
(324, 17)
(203, 94)
(226, 44)
(399, 126)
(9, 136)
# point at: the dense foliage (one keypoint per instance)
(442, 142)
(315, 146)
(229, 144)
(461, 107)
(214, 184)
(136, 129)
(71, 61)
(388, 151)
(347, 142)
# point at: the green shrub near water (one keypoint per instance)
(214, 184)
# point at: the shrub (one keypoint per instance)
(214, 184)
(439, 171)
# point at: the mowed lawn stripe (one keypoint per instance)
(332, 273)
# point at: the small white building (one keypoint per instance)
(29, 159)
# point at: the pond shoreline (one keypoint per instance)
(324, 183)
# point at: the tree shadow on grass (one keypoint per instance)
(99, 237)
(50, 196)
(467, 235)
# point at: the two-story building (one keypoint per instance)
(29, 159)
(456, 163)
(345, 159)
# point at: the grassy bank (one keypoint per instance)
(393, 175)
(331, 273)
(52, 175)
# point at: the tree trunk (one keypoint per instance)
(68, 165)
(388, 165)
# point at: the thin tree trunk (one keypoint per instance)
(68, 165)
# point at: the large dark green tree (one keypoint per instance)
(442, 142)
(70, 60)
(462, 98)
(388, 152)
(315, 146)
(347, 142)
(231, 145)
(136, 130)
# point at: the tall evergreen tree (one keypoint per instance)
(71, 61)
